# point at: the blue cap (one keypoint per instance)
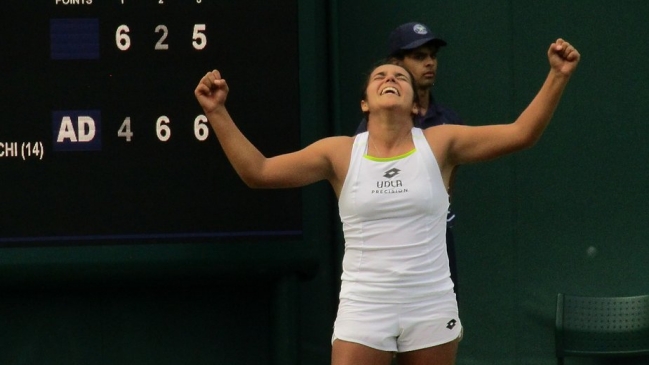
(410, 36)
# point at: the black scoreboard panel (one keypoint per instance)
(102, 140)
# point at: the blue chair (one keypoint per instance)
(601, 326)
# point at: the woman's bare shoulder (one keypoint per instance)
(335, 142)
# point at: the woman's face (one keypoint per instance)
(389, 87)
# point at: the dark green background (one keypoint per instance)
(525, 222)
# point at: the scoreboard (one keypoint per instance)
(102, 140)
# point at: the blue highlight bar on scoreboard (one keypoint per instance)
(74, 39)
(76, 130)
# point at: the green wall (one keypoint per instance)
(525, 222)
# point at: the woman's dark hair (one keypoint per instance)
(388, 61)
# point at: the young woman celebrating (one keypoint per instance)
(391, 182)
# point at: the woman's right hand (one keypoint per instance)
(212, 91)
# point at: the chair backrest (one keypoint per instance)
(602, 326)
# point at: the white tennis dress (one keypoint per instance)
(393, 212)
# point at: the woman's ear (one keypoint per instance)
(364, 106)
(415, 109)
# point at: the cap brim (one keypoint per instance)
(420, 42)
